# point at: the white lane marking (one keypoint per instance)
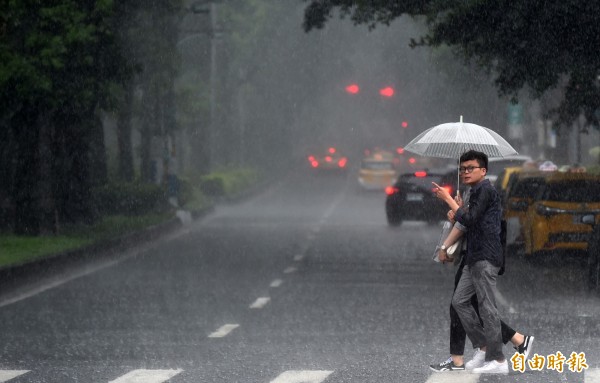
(259, 303)
(298, 257)
(290, 270)
(454, 377)
(224, 330)
(592, 375)
(302, 377)
(35, 290)
(6, 375)
(86, 269)
(276, 283)
(146, 376)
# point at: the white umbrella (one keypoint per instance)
(452, 139)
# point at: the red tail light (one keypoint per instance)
(391, 190)
(342, 162)
(328, 158)
(315, 164)
(332, 150)
(311, 158)
(421, 174)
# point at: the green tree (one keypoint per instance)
(538, 45)
(57, 64)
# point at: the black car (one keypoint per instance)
(411, 197)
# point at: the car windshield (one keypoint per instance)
(573, 191)
(377, 165)
(527, 187)
(496, 167)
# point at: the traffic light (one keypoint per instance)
(404, 124)
(388, 91)
(352, 89)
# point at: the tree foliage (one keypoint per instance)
(536, 45)
(58, 61)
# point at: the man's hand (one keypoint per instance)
(441, 193)
(443, 256)
(450, 215)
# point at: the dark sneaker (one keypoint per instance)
(447, 365)
(525, 347)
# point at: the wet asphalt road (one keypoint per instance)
(302, 283)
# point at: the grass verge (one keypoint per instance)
(21, 249)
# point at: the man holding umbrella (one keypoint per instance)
(483, 260)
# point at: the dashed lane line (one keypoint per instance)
(454, 377)
(6, 375)
(224, 330)
(592, 375)
(290, 270)
(259, 303)
(276, 283)
(302, 377)
(147, 376)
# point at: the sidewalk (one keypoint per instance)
(118, 244)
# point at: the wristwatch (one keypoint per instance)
(443, 247)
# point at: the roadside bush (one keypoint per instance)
(185, 191)
(228, 182)
(594, 169)
(130, 198)
(212, 185)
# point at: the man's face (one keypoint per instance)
(471, 173)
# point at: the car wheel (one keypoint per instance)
(393, 219)
(594, 259)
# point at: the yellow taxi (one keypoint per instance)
(501, 183)
(377, 171)
(553, 221)
(518, 195)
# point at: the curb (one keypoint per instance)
(112, 246)
(98, 249)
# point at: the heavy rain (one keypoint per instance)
(266, 191)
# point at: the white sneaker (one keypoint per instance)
(492, 367)
(477, 361)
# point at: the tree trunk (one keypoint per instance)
(7, 171)
(97, 155)
(25, 192)
(125, 149)
(48, 211)
(73, 170)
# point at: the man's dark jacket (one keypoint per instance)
(483, 221)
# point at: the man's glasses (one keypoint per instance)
(468, 169)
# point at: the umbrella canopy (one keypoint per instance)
(452, 139)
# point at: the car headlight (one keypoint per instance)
(548, 211)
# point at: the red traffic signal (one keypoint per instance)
(352, 89)
(388, 91)
(404, 124)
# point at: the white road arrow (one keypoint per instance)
(302, 377)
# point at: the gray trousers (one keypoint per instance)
(480, 279)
